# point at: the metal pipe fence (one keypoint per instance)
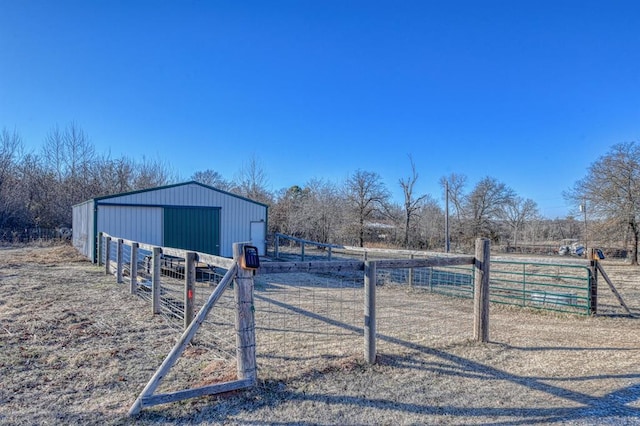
(547, 286)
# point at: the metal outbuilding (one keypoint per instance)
(188, 215)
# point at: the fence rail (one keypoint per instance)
(548, 286)
(559, 287)
(327, 307)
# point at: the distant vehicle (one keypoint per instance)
(573, 249)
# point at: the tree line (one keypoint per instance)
(38, 189)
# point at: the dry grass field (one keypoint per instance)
(76, 348)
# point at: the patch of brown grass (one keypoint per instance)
(76, 348)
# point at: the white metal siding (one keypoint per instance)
(83, 231)
(236, 214)
(142, 224)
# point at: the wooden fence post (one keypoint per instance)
(189, 287)
(481, 291)
(100, 249)
(245, 321)
(107, 260)
(302, 250)
(119, 261)
(410, 278)
(370, 311)
(329, 259)
(593, 282)
(155, 281)
(133, 268)
(276, 247)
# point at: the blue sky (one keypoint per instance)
(528, 92)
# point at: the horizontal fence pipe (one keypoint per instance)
(424, 263)
(284, 267)
(211, 259)
(279, 236)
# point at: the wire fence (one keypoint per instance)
(306, 322)
(211, 355)
(549, 286)
(313, 322)
(30, 235)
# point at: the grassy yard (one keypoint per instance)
(76, 348)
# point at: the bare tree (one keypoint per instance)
(455, 184)
(113, 176)
(152, 173)
(286, 215)
(485, 204)
(53, 153)
(322, 210)
(365, 195)
(11, 207)
(251, 182)
(430, 223)
(453, 188)
(211, 178)
(516, 212)
(411, 202)
(39, 185)
(611, 190)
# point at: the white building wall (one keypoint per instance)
(236, 213)
(83, 228)
(142, 224)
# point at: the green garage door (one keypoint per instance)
(196, 229)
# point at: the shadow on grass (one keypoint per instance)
(592, 409)
(614, 404)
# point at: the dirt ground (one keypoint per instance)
(76, 348)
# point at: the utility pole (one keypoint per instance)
(583, 209)
(446, 217)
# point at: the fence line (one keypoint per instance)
(323, 311)
(559, 287)
(323, 321)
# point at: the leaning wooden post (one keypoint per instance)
(107, 256)
(593, 282)
(133, 268)
(245, 321)
(119, 261)
(370, 311)
(155, 281)
(481, 291)
(189, 287)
